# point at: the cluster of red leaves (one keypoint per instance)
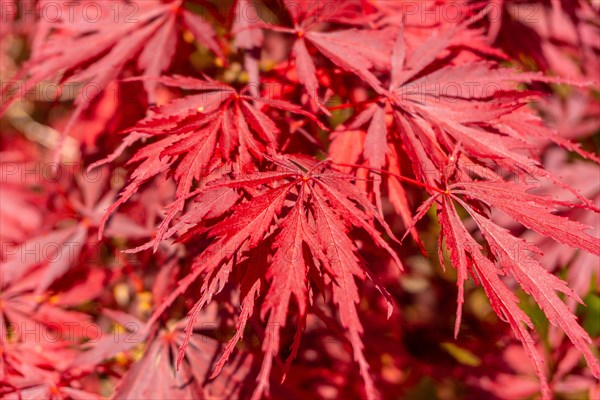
(231, 197)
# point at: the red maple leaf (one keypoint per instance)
(202, 136)
(304, 212)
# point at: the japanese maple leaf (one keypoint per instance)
(301, 214)
(409, 104)
(355, 50)
(472, 115)
(155, 374)
(54, 251)
(23, 312)
(38, 370)
(437, 107)
(197, 133)
(57, 249)
(514, 256)
(576, 117)
(97, 51)
(414, 111)
(557, 36)
(421, 20)
(583, 270)
(520, 380)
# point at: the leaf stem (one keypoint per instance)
(399, 177)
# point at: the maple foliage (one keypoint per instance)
(299, 198)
